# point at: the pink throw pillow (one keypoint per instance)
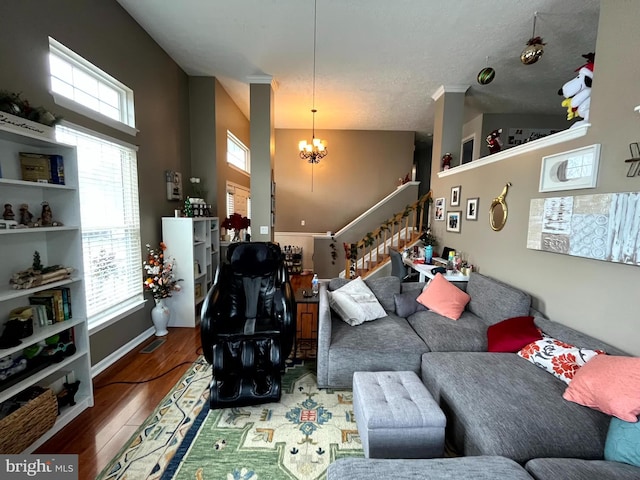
(444, 298)
(610, 384)
(512, 334)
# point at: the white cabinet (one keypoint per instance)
(188, 241)
(215, 247)
(59, 245)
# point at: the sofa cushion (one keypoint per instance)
(493, 301)
(512, 334)
(576, 469)
(623, 442)
(467, 334)
(407, 303)
(389, 343)
(558, 358)
(574, 337)
(500, 404)
(355, 303)
(383, 288)
(444, 298)
(476, 468)
(610, 385)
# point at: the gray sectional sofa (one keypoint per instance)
(497, 404)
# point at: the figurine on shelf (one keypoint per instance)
(26, 217)
(446, 161)
(8, 212)
(46, 218)
(494, 143)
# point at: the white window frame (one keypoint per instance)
(241, 163)
(124, 105)
(103, 307)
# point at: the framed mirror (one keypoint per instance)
(498, 210)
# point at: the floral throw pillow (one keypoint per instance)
(557, 357)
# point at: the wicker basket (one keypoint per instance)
(24, 426)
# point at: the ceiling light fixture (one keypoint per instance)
(317, 149)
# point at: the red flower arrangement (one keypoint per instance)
(236, 222)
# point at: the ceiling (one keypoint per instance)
(378, 62)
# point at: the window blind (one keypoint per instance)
(110, 221)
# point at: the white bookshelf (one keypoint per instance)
(188, 240)
(215, 248)
(60, 245)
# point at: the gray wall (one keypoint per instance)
(103, 33)
(228, 117)
(361, 168)
(596, 297)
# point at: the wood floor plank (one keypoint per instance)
(100, 432)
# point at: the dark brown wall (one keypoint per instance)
(104, 34)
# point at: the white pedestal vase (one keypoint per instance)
(160, 315)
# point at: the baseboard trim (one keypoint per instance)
(106, 362)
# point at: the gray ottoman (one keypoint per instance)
(396, 416)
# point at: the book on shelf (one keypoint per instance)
(39, 313)
(49, 305)
(57, 302)
(41, 167)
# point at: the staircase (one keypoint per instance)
(401, 231)
(330, 255)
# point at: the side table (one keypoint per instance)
(306, 344)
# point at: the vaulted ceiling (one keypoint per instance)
(378, 62)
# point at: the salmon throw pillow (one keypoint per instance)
(444, 298)
(610, 384)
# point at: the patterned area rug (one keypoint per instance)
(294, 439)
(150, 449)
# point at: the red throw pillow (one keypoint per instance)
(512, 334)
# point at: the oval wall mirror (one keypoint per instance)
(498, 210)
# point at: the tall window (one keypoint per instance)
(80, 86)
(110, 220)
(237, 153)
(107, 181)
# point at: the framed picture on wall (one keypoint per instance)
(455, 196)
(570, 170)
(174, 185)
(453, 221)
(439, 209)
(472, 209)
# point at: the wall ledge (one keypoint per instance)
(559, 137)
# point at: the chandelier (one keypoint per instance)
(317, 149)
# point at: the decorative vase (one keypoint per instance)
(236, 235)
(160, 315)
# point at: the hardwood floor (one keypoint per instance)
(99, 432)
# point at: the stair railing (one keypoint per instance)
(401, 230)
